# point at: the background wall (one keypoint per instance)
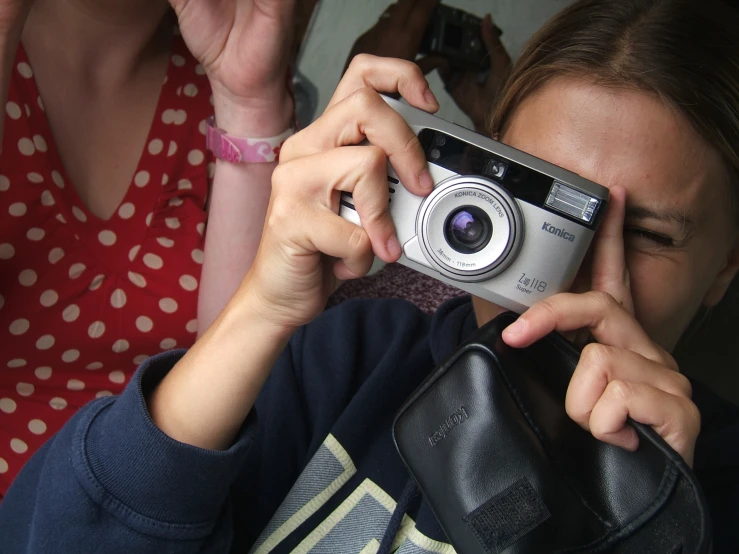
(337, 24)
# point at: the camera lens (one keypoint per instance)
(468, 229)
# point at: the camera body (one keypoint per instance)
(500, 224)
(455, 35)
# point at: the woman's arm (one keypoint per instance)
(244, 47)
(238, 201)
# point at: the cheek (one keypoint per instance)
(666, 293)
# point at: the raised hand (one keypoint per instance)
(625, 373)
(474, 96)
(398, 32)
(306, 246)
(243, 45)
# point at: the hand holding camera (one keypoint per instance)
(625, 373)
(306, 247)
(500, 224)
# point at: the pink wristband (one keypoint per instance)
(243, 150)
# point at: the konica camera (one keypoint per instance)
(500, 224)
(455, 35)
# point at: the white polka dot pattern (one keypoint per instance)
(107, 237)
(25, 389)
(75, 384)
(48, 298)
(89, 299)
(7, 405)
(168, 305)
(43, 373)
(37, 427)
(35, 234)
(58, 403)
(6, 251)
(118, 298)
(144, 324)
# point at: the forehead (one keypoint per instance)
(621, 137)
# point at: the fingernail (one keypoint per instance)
(430, 97)
(516, 328)
(425, 180)
(393, 247)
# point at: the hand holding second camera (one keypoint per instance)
(466, 50)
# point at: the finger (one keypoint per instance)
(389, 12)
(336, 237)
(403, 9)
(600, 364)
(607, 320)
(360, 170)
(386, 75)
(675, 418)
(419, 19)
(609, 271)
(429, 63)
(364, 114)
(343, 273)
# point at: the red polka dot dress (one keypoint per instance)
(83, 301)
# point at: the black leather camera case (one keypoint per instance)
(505, 470)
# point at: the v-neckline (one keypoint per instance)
(64, 188)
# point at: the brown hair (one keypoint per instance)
(684, 51)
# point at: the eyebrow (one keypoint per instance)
(677, 217)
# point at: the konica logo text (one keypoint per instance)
(551, 229)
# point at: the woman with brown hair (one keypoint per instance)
(273, 433)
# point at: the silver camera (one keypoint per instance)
(499, 223)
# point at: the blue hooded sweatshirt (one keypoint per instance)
(313, 469)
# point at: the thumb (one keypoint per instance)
(429, 63)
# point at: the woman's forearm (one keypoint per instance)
(205, 398)
(238, 203)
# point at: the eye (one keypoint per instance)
(655, 238)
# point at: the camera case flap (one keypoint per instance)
(505, 470)
(500, 224)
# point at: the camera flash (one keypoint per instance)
(572, 202)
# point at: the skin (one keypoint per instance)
(307, 249)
